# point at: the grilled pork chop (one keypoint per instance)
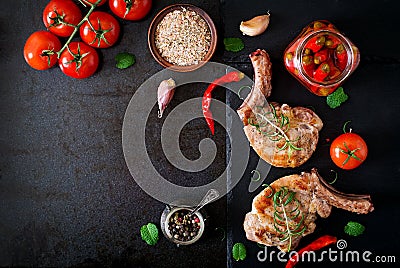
(312, 195)
(300, 134)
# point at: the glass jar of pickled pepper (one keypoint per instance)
(321, 57)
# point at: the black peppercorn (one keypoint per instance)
(183, 226)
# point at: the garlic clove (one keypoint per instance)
(255, 26)
(165, 93)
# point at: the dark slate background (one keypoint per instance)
(372, 107)
(66, 195)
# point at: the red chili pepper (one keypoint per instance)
(341, 57)
(316, 43)
(321, 56)
(234, 76)
(322, 72)
(321, 242)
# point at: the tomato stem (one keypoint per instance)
(77, 57)
(350, 154)
(76, 27)
(80, 1)
(99, 33)
(129, 5)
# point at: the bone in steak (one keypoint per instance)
(302, 129)
(314, 196)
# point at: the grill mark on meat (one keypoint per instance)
(304, 123)
(315, 197)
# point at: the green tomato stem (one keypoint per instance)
(76, 28)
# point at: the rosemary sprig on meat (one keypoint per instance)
(288, 221)
(274, 127)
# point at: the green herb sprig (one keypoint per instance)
(334, 179)
(288, 221)
(222, 230)
(274, 127)
(258, 174)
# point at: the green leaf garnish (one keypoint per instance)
(354, 228)
(149, 233)
(239, 252)
(233, 44)
(336, 98)
(125, 60)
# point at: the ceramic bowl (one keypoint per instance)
(157, 55)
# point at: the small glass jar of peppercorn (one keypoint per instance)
(321, 57)
(181, 226)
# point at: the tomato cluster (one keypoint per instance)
(99, 29)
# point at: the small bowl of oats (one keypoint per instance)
(182, 37)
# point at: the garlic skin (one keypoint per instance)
(255, 26)
(165, 92)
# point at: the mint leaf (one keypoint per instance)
(125, 60)
(336, 98)
(149, 233)
(233, 44)
(239, 252)
(354, 228)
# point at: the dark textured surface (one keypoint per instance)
(66, 195)
(372, 108)
(67, 198)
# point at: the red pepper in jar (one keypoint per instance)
(341, 57)
(334, 71)
(332, 42)
(316, 43)
(234, 76)
(321, 56)
(321, 242)
(308, 65)
(322, 72)
(331, 26)
(289, 61)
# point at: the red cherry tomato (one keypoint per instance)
(348, 151)
(59, 16)
(40, 50)
(79, 61)
(102, 2)
(105, 31)
(130, 9)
